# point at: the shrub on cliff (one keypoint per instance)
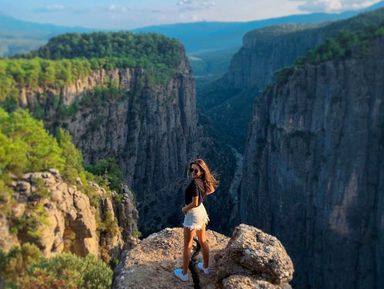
(13, 265)
(110, 170)
(25, 145)
(25, 267)
(81, 272)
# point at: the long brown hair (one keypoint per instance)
(208, 177)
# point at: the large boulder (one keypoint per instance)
(252, 252)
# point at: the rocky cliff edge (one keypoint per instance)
(249, 259)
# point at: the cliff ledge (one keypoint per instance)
(249, 259)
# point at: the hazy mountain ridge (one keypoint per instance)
(18, 36)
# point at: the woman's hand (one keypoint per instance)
(184, 210)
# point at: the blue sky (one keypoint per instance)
(119, 14)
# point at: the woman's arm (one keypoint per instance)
(211, 192)
(193, 204)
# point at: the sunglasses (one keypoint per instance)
(193, 170)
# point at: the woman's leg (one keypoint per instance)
(204, 245)
(188, 239)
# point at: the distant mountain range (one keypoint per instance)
(199, 38)
(10, 25)
(211, 45)
(18, 36)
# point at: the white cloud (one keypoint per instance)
(333, 5)
(117, 9)
(196, 4)
(111, 9)
(184, 2)
(51, 8)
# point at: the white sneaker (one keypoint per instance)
(179, 274)
(201, 267)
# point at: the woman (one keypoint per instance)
(203, 183)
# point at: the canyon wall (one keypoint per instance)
(150, 128)
(313, 169)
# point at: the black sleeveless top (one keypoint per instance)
(193, 190)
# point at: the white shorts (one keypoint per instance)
(196, 217)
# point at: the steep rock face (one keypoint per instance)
(313, 171)
(30, 97)
(70, 223)
(250, 259)
(149, 128)
(265, 51)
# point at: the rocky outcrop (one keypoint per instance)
(69, 222)
(127, 214)
(7, 239)
(252, 252)
(148, 127)
(313, 170)
(250, 257)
